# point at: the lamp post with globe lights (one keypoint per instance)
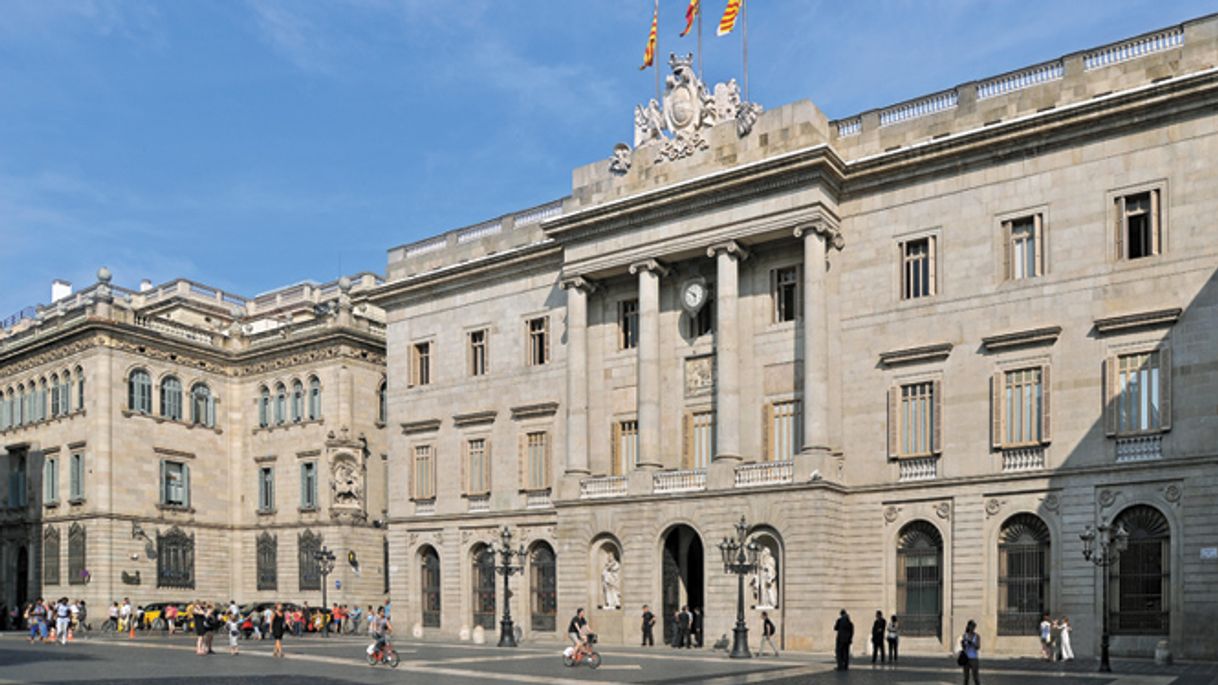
(740, 558)
(507, 631)
(1112, 540)
(325, 565)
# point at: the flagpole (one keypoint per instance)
(654, 65)
(700, 74)
(745, 9)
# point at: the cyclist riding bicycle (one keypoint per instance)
(578, 631)
(379, 628)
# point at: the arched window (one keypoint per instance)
(50, 556)
(297, 401)
(484, 586)
(429, 585)
(920, 580)
(281, 404)
(40, 400)
(6, 413)
(80, 388)
(77, 569)
(382, 395)
(55, 406)
(543, 587)
(314, 398)
(264, 407)
(65, 392)
(1140, 585)
(202, 406)
(267, 561)
(1023, 574)
(171, 398)
(139, 392)
(307, 546)
(19, 406)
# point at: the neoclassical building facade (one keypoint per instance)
(919, 350)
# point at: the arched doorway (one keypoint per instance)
(543, 586)
(429, 586)
(683, 575)
(483, 586)
(23, 575)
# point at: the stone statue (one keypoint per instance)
(765, 581)
(346, 484)
(619, 163)
(611, 582)
(648, 123)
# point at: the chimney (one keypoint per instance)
(60, 289)
(145, 285)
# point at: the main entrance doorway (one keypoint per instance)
(682, 583)
(22, 573)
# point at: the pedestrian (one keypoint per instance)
(234, 631)
(212, 623)
(200, 617)
(268, 614)
(696, 626)
(297, 621)
(894, 637)
(278, 626)
(1046, 637)
(171, 618)
(878, 628)
(39, 626)
(125, 619)
(970, 650)
(845, 635)
(113, 616)
(683, 625)
(649, 622)
(1067, 649)
(767, 635)
(63, 620)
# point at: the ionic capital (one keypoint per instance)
(579, 283)
(651, 265)
(822, 229)
(731, 248)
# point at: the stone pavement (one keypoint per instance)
(339, 661)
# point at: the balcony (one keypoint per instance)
(1023, 459)
(686, 480)
(479, 504)
(765, 473)
(425, 507)
(922, 468)
(602, 487)
(539, 499)
(1139, 448)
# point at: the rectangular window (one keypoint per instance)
(308, 485)
(784, 290)
(784, 431)
(628, 324)
(626, 447)
(701, 448)
(917, 419)
(918, 268)
(1138, 225)
(478, 352)
(175, 484)
(16, 482)
(266, 489)
(1139, 398)
(702, 323)
(420, 364)
(537, 461)
(76, 478)
(539, 340)
(424, 473)
(50, 481)
(1024, 247)
(478, 466)
(1022, 399)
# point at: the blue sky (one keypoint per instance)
(252, 144)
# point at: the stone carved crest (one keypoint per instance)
(993, 506)
(1172, 493)
(944, 510)
(891, 513)
(699, 375)
(1107, 498)
(1052, 502)
(619, 163)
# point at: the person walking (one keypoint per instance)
(63, 620)
(649, 622)
(171, 618)
(683, 624)
(200, 617)
(1066, 648)
(113, 616)
(970, 651)
(278, 627)
(894, 637)
(233, 627)
(878, 628)
(126, 619)
(1046, 637)
(844, 628)
(696, 626)
(767, 635)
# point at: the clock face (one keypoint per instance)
(695, 293)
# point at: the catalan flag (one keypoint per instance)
(730, 13)
(691, 13)
(649, 54)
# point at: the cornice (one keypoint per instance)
(531, 411)
(424, 284)
(916, 355)
(1033, 336)
(1159, 318)
(423, 426)
(475, 418)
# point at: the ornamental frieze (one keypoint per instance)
(51, 356)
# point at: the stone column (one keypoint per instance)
(727, 349)
(577, 374)
(816, 337)
(648, 390)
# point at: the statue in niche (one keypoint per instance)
(346, 484)
(611, 581)
(765, 581)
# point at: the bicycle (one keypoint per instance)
(385, 654)
(574, 657)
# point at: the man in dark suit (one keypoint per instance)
(649, 622)
(696, 627)
(683, 620)
(845, 635)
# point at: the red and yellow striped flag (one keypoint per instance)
(728, 22)
(649, 54)
(691, 13)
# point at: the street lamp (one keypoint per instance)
(739, 557)
(1112, 541)
(507, 633)
(325, 564)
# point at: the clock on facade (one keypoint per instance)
(693, 295)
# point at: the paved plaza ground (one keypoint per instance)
(339, 660)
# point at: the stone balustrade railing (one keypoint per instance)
(1139, 448)
(600, 487)
(425, 507)
(174, 330)
(686, 480)
(480, 231)
(479, 503)
(1023, 459)
(538, 500)
(764, 473)
(921, 107)
(1018, 80)
(922, 468)
(1134, 48)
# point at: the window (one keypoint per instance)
(1023, 575)
(307, 546)
(171, 398)
(267, 561)
(202, 406)
(784, 291)
(308, 485)
(50, 556)
(40, 401)
(6, 420)
(281, 404)
(484, 587)
(297, 401)
(628, 324)
(139, 392)
(56, 407)
(1139, 393)
(625, 446)
(917, 268)
(478, 466)
(80, 389)
(914, 419)
(65, 394)
(420, 364)
(430, 586)
(77, 569)
(702, 323)
(782, 426)
(538, 340)
(1140, 582)
(699, 439)
(16, 482)
(175, 484)
(175, 559)
(50, 481)
(1021, 407)
(1138, 225)
(478, 343)
(536, 461)
(920, 580)
(76, 478)
(264, 407)
(543, 586)
(314, 398)
(424, 473)
(1023, 251)
(266, 489)
(382, 399)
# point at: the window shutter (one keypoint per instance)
(894, 400)
(1046, 412)
(932, 245)
(767, 432)
(902, 274)
(1120, 228)
(486, 467)
(549, 464)
(616, 467)
(164, 490)
(1007, 237)
(522, 460)
(997, 413)
(304, 497)
(937, 429)
(687, 442)
(547, 341)
(466, 470)
(1156, 224)
(1038, 237)
(433, 462)
(1110, 397)
(186, 484)
(1165, 388)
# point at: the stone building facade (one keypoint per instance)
(919, 350)
(180, 442)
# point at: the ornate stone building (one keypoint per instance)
(919, 350)
(181, 442)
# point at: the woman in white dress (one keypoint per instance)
(1067, 652)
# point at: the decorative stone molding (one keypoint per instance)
(1033, 336)
(651, 265)
(1107, 498)
(305, 454)
(475, 418)
(829, 231)
(170, 452)
(944, 510)
(1159, 318)
(1052, 502)
(581, 283)
(891, 513)
(730, 247)
(532, 411)
(424, 426)
(917, 355)
(993, 507)
(1172, 493)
